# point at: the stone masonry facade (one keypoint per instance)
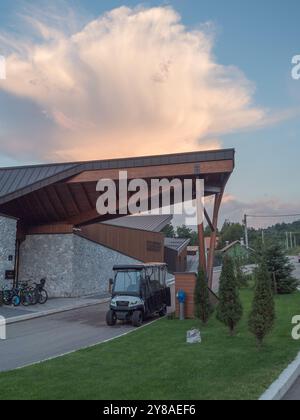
(73, 266)
(8, 229)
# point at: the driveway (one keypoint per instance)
(39, 339)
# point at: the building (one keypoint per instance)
(47, 211)
(141, 237)
(138, 237)
(207, 244)
(8, 229)
(238, 251)
(176, 254)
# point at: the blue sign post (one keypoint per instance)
(181, 296)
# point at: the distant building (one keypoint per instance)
(176, 254)
(237, 250)
(192, 250)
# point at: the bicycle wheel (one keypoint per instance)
(43, 297)
(35, 296)
(7, 298)
(26, 299)
(16, 301)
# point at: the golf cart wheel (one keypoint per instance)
(137, 318)
(163, 312)
(111, 318)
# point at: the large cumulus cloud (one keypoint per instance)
(131, 82)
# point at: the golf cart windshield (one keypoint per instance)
(127, 282)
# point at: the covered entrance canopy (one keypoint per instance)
(57, 198)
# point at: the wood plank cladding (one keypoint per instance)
(54, 229)
(186, 282)
(166, 171)
(142, 245)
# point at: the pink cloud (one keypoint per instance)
(131, 82)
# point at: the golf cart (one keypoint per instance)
(139, 291)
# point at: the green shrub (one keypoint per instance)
(203, 307)
(280, 270)
(262, 316)
(230, 310)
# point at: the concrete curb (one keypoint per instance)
(21, 318)
(284, 383)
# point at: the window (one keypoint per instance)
(127, 282)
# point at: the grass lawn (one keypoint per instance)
(155, 363)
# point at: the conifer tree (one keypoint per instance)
(230, 310)
(262, 316)
(280, 269)
(203, 307)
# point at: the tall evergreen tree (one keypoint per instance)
(203, 307)
(230, 310)
(280, 269)
(262, 316)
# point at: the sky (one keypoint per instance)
(100, 79)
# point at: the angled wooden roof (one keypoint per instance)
(66, 193)
(18, 181)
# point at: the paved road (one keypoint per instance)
(294, 393)
(39, 339)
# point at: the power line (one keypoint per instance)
(273, 216)
(265, 216)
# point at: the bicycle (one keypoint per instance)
(11, 297)
(26, 294)
(40, 295)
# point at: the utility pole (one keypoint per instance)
(263, 237)
(291, 239)
(246, 231)
(287, 240)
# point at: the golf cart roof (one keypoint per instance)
(138, 267)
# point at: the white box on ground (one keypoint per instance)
(193, 336)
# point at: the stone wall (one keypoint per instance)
(8, 229)
(49, 256)
(93, 264)
(73, 266)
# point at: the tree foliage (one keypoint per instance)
(187, 233)
(262, 315)
(203, 307)
(280, 269)
(169, 231)
(230, 310)
(230, 232)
